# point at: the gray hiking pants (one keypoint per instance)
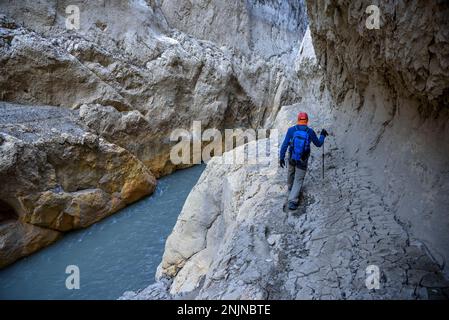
(294, 182)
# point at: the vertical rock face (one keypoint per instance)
(125, 80)
(57, 177)
(382, 202)
(391, 85)
(136, 70)
(409, 51)
(267, 28)
(221, 246)
(168, 76)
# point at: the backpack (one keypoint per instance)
(300, 143)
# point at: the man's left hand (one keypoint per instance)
(282, 163)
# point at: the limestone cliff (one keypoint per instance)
(390, 87)
(383, 96)
(89, 113)
(129, 77)
(57, 176)
(167, 76)
(272, 28)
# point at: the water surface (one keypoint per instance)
(117, 254)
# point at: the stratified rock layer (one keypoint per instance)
(167, 76)
(131, 78)
(380, 203)
(390, 86)
(270, 29)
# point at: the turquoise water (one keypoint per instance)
(117, 254)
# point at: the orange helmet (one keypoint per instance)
(303, 118)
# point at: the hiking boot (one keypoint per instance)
(292, 206)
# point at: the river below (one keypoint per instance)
(117, 254)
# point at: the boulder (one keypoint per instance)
(57, 176)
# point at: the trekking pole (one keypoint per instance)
(323, 160)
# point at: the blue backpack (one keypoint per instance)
(300, 143)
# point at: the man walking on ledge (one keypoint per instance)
(297, 140)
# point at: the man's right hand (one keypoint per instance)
(282, 163)
(324, 133)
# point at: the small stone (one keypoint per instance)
(272, 239)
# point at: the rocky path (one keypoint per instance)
(234, 241)
(346, 227)
(254, 250)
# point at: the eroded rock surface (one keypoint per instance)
(168, 76)
(373, 206)
(57, 176)
(131, 77)
(234, 241)
(390, 90)
(408, 52)
(381, 93)
(271, 29)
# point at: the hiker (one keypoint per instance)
(297, 140)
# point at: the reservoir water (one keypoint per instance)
(117, 254)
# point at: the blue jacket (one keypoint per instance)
(289, 136)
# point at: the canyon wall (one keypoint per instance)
(382, 93)
(390, 87)
(128, 77)
(86, 116)
(57, 176)
(272, 28)
(168, 76)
